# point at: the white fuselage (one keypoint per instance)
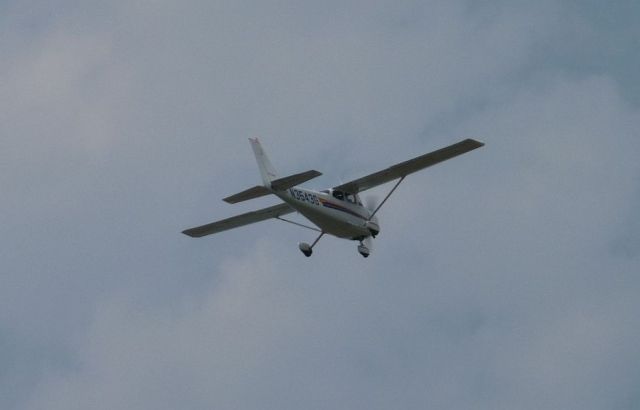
(335, 213)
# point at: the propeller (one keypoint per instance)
(371, 202)
(368, 242)
(372, 223)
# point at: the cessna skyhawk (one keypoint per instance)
(337, 211)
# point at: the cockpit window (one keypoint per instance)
(338, 195)
(351, 198)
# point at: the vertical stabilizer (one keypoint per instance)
(266, 169)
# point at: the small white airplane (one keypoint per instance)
(337, 211)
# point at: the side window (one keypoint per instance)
(338, 195)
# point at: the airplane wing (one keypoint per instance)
(239, 220)
(408, 167)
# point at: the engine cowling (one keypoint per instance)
(373, 227)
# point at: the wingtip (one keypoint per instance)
(475, 142)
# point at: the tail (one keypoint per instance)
(266, 169)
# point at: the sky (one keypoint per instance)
(507, 278)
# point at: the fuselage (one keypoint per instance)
(334, 212)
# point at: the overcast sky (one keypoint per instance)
(508, 278)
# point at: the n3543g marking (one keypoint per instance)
(304, 196)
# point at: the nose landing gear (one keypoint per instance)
(363, 250)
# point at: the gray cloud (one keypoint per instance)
(503, 279)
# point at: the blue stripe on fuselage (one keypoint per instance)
(340, 208)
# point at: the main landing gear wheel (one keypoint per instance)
(305, 248)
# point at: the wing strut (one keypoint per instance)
(386, 197)
(297, 223)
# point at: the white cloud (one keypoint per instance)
(495, 282)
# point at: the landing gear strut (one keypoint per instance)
(307, 249)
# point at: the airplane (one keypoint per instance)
(337, 211)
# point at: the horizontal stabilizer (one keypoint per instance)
(251, 193)
(239, 220)
(281, 184)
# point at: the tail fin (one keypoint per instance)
(266, 169)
